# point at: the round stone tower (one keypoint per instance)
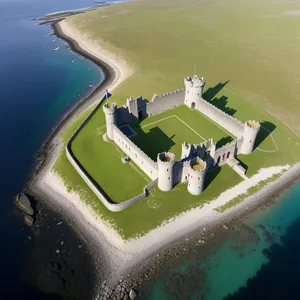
(110, 111)
(251, 130)
(196, 176)
(165, 161)
(193, 90)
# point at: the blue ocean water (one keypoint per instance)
(268, 269)
(37, 86)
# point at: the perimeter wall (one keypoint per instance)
(139, 157)
(230, 123)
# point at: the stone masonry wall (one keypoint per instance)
(231, 124)
(164, 102)
(225, 152)
(139, 157)
(106, 201)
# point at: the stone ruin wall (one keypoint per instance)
(139, 157)
(164, 102)
(231, 124)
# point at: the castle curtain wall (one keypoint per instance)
(164, 102)
(231, 124)
(140, 158)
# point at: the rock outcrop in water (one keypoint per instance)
(24, 204)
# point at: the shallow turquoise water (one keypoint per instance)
(229, 269)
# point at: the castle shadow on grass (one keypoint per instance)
(220, 102)
(265, 130)
(153, 142)
(210, 94)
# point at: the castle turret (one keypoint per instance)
(132, 105)
(110, 111)
(193, 90)
(196, 176)
(250, 132)
(165, 161)
(186, 150)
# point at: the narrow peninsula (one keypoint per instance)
(139, 167)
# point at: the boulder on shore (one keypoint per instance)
(24, 203)
(132, 294)
(28, 220)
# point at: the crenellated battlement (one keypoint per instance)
(226, 146)
(110, 107)
(196, 159)
(253, 125)
(194, 82)
(166, 158)
(157, 97)
(137, 155)
(197, 165)
(230, 117)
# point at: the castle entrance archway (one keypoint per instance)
(193, 105)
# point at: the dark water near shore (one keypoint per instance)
(266, 267)
(37, 86)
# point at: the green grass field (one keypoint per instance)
(167, 131)
(247, 53)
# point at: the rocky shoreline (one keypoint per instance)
(122, 284)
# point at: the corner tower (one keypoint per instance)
(110, 111)
(193, 90)
(196, 176)
(250, 132)
(165, 161)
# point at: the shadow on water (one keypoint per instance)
(279, 278)
(265, 130)
(59, 264)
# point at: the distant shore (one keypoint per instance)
(121, 257)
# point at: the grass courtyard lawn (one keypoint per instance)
(168, 130)
(171, 37)
(102, 160)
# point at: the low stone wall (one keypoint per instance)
(151, 185)
(106, 201)
(139, 157)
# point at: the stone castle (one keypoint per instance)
(196, 159)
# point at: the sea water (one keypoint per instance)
(37, 86)
(264, 270)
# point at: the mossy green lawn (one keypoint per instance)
(163, 40)
(102, 160)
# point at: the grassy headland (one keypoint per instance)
(164, 40)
